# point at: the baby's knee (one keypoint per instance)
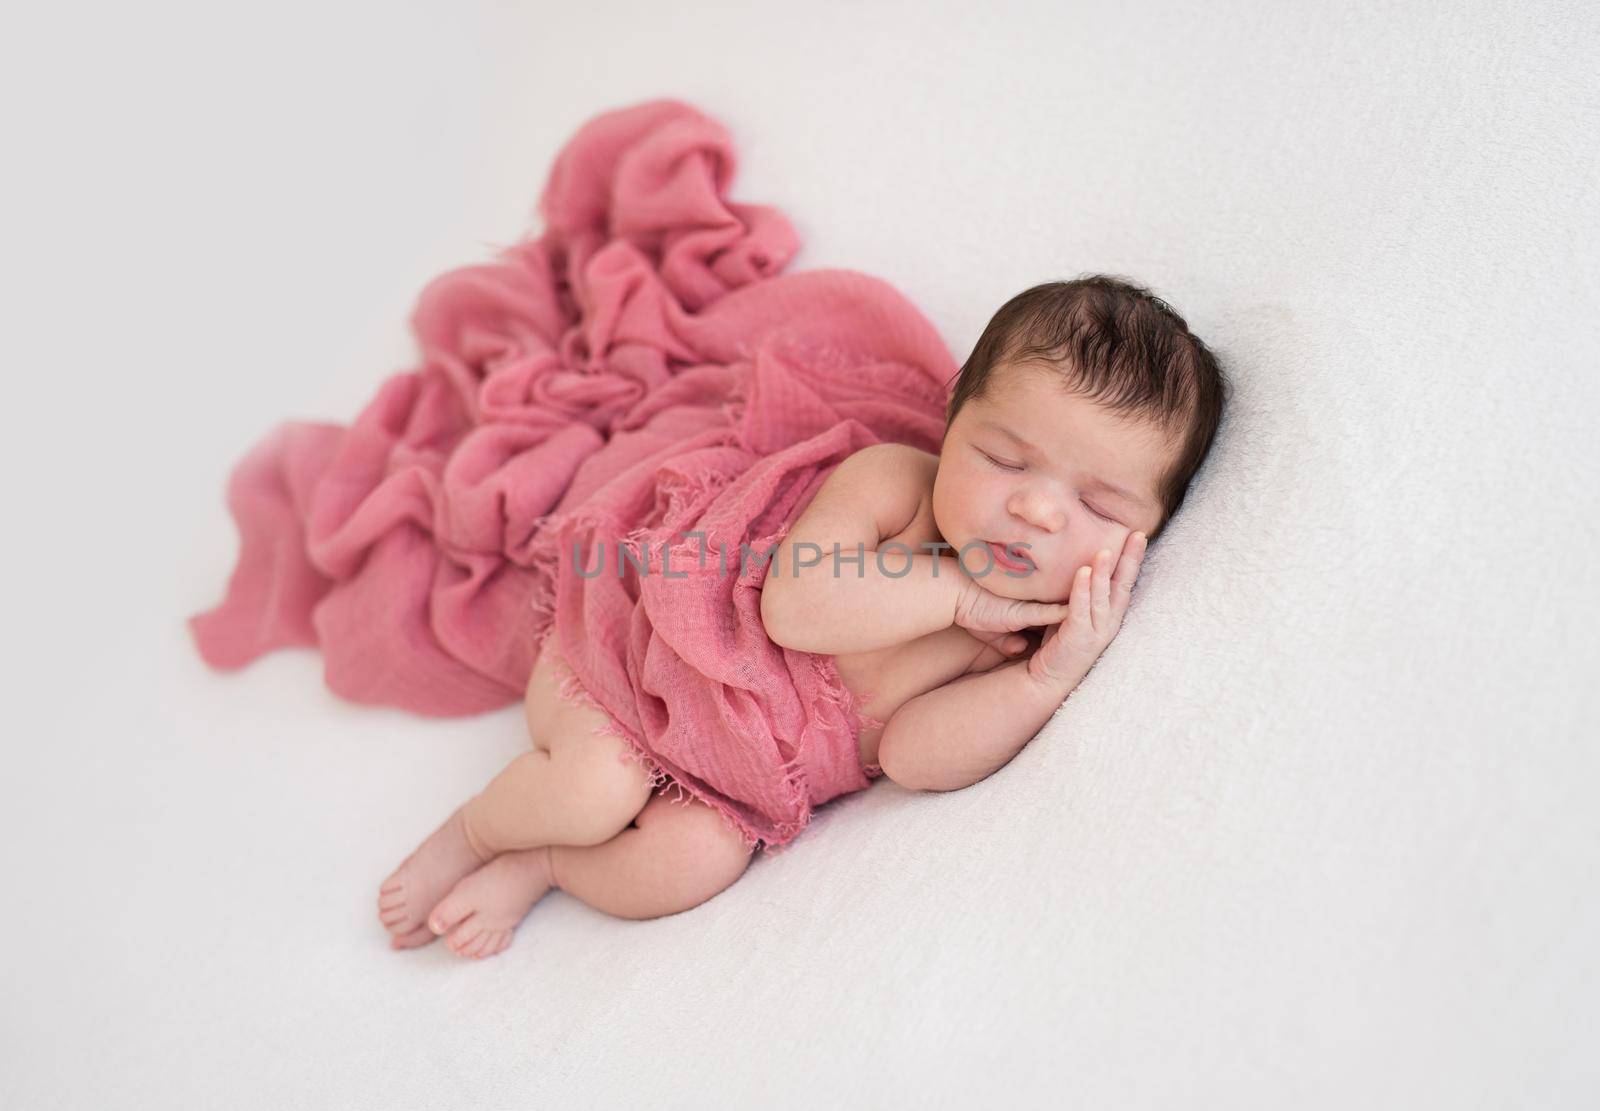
(613, 791)
(701, 848)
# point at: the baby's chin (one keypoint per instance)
(1030, 587)
(1021, 588)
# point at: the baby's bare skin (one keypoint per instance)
(1060, 489)
(569, 814)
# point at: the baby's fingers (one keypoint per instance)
(1127, 570)
(1100, 590)
(1041, 613)
(1007, 643)
(1078, 608)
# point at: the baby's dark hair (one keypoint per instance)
(1119, 345)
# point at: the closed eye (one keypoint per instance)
(995, 462)
(1013, 467)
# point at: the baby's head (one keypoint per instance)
(1081, 416)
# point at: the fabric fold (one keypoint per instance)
(640, 371)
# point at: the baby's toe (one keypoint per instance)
(464, 935)
(416, 938)
(397, 908)
(452, 910)
(490, 943)
(396, 915)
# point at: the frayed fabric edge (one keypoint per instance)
(848, 703)
(797, 793)
(571, 689)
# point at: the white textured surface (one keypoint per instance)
(1318, 831)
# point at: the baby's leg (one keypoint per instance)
(571, 789)
(678, 857)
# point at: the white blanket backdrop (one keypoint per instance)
(1317, 831)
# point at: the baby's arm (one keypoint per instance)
(859, 609)
(955, 735)
(813, 601)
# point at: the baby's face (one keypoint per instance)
(1034, 465)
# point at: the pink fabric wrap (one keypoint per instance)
(638, 372)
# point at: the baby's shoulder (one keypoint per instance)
(889, 480)
(891, 462)
(896, 452)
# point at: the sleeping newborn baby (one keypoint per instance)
(962, 596)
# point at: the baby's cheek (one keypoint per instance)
(1045, 588)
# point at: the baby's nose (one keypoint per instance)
(1042, 515)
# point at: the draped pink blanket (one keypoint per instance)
(638, 373)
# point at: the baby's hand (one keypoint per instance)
(1095, 611)
(984, 614)
(998, 648)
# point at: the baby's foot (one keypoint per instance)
(482, 911)
(414, 888)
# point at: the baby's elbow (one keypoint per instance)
(893, 770)
(898, 760)
(920, 758)
(913, 778)
(790, 614)
(775, 616)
